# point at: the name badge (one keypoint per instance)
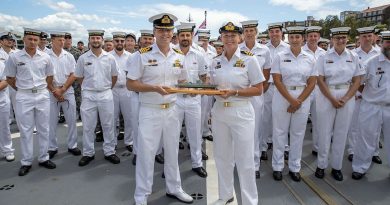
(152, 62)
(88, 63)
(379, 71)
(20, 64)
(288, 61)
(348, 61)
(329, 61)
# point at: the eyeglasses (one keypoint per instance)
(340, 38)
(119, 41)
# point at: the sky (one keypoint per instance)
(76, 16)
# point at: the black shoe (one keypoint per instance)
(204, 156)
(47, 164)
(337, 175)
(257, 173)
(208, 137)
(264, 155)
(277, 175)
(75, 151)
(320, 173)
(315, 153)
(188, 146)
(286, 155)
(24, 170)
(52, 153)
(357, 175)
(350, 157)
(295, 176)
(99, 136)
(61, 119)
(129, 148)
(120, 136)
(159, 159)
(377, 159)
(113, 159)
(269, 146)
(200, 171)
(181, 145)
(163, 175)
(380, 145)
(85, 160)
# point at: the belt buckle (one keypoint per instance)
(164, 106)
(227, 104)
(185, 95)
(293, 87)
(337, 87)
(34, 90)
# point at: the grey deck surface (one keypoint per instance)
(102, 183)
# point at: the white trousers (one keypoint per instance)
(33, 110)
(122, 104)
(257, 103)
(313, 117)
(266, 120)
(207, 103)
(134, 108)
(69, 109)
(5, 134)
(12, 94)
(354, 130)
(334, 122)
(156, 125)
(372, 118)
(284, 123)
(189, 110)
(233, 129)
(92, 105)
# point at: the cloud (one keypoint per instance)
(58, 6)
(375, 3)
(301, 5)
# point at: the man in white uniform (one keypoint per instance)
(153, 70)
(30, 72)
(263, 57)
(374, 114)
(98, 72)
(62, 95)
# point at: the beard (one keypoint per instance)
(386, 52)
(119, 48)
(96, 45)
(185, 43)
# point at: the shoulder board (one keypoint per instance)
(178, 51)
(217, 55)
(247, 53)
(145, 50)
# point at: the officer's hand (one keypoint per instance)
(58, 92)
(296, 103)
(161, 90)
(291, 109)
(336, 104)
(227, 93)
(60, 98)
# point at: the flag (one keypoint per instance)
(202, 25)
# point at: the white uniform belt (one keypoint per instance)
(339, 86)
(295, 87)
(120, 86)
(159, 106)
(97, 91)
(382, 104)
(233, 104)
(33, 90)
(186, 95)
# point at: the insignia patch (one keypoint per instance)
(218, 66)
(247, 53)
(152, 62)
(239, 63)
(379, 71)
(177, 64)
(145, 50)
(2, 59)
(21, 64)
(178, 51)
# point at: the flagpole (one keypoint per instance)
(205, 19)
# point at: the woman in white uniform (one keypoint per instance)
(294, 77)
(233, 117)
(339, 78)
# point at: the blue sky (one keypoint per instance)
(130, 16)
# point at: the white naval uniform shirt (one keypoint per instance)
(240, 72)
(275, 50)
(4, 55)
(96, 71)
(121, 62)
(152, 67)
(262, 53)
(64, 65)
(30, 72)
(363, 56)
(319, 51)
(2, 76)
(377, 78)
(339, 69)
(195, 64)
(294, 70)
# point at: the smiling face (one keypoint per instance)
(162, 35)
(185, 39)
(295, 40)
(230, 40)
(96, 41)
(250, 34)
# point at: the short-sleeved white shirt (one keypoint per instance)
(377, 87)
(30, 72)
(262, 53)
(195, 64)
(240, 72)
(152, 67)
(339, 69)
(319, 51)
(294, 70)
(64, 65)
(121, 62)
(96, 71)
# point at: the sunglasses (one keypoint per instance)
(119, 41)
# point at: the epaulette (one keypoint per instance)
(247, 53)
(178, 51)
(145, 49)
(217, 55)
